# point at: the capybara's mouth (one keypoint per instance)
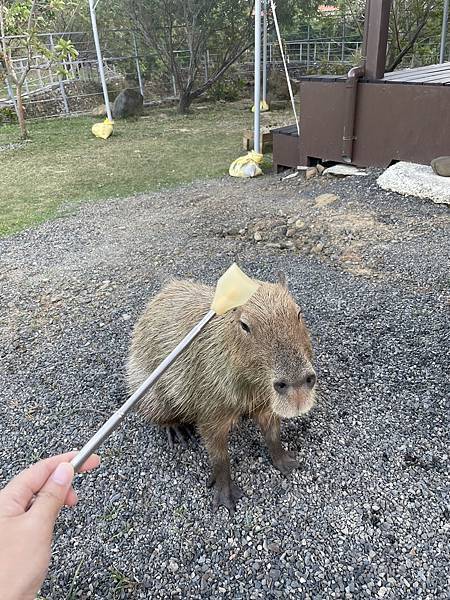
(295, 404)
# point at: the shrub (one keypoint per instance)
(229, 89)
(7, 115)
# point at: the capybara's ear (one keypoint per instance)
(282, 279)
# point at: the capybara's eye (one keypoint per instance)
(245, 327)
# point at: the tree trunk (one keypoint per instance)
(21, 113)
(184, 102)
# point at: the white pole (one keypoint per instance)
(138, 67)
(257, 117)
(264, 77)
(61, 83)
(286, 72)
(444, 32)
(100, 59)
(11, 94)
(174, 86)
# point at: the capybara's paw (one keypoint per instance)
(227, 495)
(181, 434)
(286, 462)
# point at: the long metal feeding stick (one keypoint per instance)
(233, 289)
(95, 441)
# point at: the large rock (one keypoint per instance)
(129, 103)
(278, 87)
(99, 111)
(344, 171)
(411, 179)
(441, 166)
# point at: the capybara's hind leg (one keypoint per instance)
(226, 492)
(282, 459)
(180, 433)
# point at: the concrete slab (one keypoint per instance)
(411, 179)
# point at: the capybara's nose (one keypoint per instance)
(309, 380)
(281, 386)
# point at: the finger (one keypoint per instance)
(51, 498)
(17, 495)
(71, 498)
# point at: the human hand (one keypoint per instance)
(29, 506)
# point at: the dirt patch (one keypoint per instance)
(321, 228)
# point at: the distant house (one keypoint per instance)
(326, 10)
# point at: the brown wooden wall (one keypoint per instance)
(394, 121)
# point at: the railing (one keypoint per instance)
(72, 86)
(310, 52)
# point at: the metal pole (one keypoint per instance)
(444, 32)
(111, 424)
(61, 83)
(206, 65)
(138, 67)
(27, 88)
(50, 72)
(257, 107)
(11, 93)
(308, 49)
(174, 86)
(100, 59)
(264, 73)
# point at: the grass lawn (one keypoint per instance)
(64, 164)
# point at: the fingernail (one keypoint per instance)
(63, 474)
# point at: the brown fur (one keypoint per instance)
(226, 372)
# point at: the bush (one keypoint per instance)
(326, 68)
(229, 89)
(7, 115)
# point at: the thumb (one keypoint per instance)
(51, 497)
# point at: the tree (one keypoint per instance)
(412, 24)
(170, 27)
(20, 24)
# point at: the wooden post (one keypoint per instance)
(376, 36)
(444, 32)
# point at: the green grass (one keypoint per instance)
(64, 164)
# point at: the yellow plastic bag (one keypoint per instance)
(103, 130)
(263, 106)
(247, 166)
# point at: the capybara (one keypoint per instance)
(254, 361)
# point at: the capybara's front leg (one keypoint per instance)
(282, 459)
(226, 492)
(181, 433)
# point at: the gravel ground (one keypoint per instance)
(367, 515)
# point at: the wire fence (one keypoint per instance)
(314, 52)
(73, 86)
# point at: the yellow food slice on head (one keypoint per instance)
(233, 289)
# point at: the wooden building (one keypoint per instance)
(369, 117)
